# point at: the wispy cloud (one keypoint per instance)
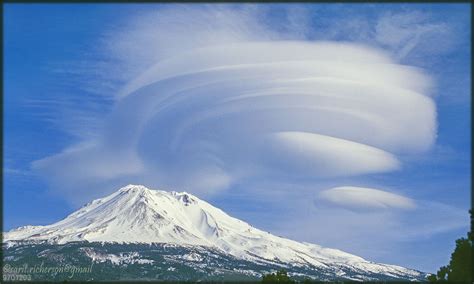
(406, 31)
(12, 171)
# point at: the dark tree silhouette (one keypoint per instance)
(280, 277)
(460, 267)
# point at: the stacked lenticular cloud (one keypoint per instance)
(205, 118)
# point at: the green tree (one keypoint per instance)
(279, 277)
(460, 267)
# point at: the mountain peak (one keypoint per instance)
(137, 214)
(145, 192)
(134, 188)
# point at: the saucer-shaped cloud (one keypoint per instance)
(321, 155)
(213, 114)
(206, 118)
(365, 198)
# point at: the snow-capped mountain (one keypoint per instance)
(136, 214)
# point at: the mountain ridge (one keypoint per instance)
(137, 214)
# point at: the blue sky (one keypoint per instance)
(74, 72)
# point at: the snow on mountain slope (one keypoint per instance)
(136, 214)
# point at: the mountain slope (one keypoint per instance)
(136, 214)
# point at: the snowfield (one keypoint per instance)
(136, 214)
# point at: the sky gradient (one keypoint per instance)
(343, 125)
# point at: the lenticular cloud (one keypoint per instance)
(208, 116)
(365, 198)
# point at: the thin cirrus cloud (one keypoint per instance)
(365, 198)
(253, 105)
